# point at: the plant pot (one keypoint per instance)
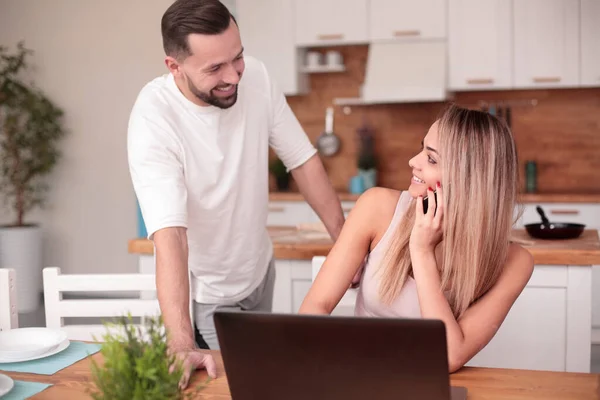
(283, 183)
(369, 177)
(21, 249)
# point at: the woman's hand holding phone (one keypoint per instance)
(427, 230)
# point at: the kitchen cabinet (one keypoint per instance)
(330, 22)
(546, 43)
(558, 338)
(590, 46)
(271, 40)
(289, 213)
(480, 44)
(579, 213)
(400, 19)
(292, 213)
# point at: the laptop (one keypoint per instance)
(293, 356)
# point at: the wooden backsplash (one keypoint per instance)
(561, 133)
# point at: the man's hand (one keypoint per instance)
(193, 359)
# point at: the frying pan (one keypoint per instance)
(553, 230)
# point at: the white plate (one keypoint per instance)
(17, 344)
(57, 349)
(6, 384)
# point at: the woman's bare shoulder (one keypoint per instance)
(519, 264)
(377, 205)
(379, 199)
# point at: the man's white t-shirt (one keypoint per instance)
(206, 169)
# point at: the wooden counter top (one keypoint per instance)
(524, 198)
(290, 243)
(73, 382)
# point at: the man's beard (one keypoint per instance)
(210, 98)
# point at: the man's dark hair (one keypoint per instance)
(184, 17)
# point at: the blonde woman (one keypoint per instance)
(454, 262)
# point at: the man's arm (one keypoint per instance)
(316, 188)
(172, 285)
(157, 176)
(293, 147)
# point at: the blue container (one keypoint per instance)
(357, 185)
(141, 225)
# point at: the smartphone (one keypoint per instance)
(426, 203)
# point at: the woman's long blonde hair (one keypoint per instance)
(479, 180)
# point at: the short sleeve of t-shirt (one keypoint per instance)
(156, 171)
(287, 138)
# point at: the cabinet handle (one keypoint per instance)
(276, 209)
(550, 79)
(564, 212)
(482, 81)
(333, 36)
(406, 33)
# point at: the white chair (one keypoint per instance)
(55, 284)
(346, 304)
(9, 314)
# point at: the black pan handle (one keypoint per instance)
(543, 215)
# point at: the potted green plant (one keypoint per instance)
(367, 160)
(137, 365)
(30, 128)
(281, 174)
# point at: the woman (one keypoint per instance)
(454, 262)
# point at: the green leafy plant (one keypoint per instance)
(137, 365)
(279, 171)
(30, 127)
(367, 161)
(366, 155)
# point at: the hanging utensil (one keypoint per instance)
(328, 143)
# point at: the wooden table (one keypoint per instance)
(482, 383)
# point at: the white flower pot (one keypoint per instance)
(21, 249)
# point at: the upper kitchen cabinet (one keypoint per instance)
(330, 22)
(272, 41)
(480, 44)
(590, 46)
(400, 19)
(546, 43)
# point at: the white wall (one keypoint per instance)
(92, 57)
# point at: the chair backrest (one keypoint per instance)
(100, 309)
(9, 314)
(347, 303)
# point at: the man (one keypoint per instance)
(198, 142)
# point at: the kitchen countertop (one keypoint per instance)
(524, 198)
(291, 243)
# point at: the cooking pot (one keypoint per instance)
(553, 230)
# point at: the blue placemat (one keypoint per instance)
(50, 365)
(23, 390)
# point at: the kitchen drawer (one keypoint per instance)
(288, 213)
(346, 208)
(588, 214)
